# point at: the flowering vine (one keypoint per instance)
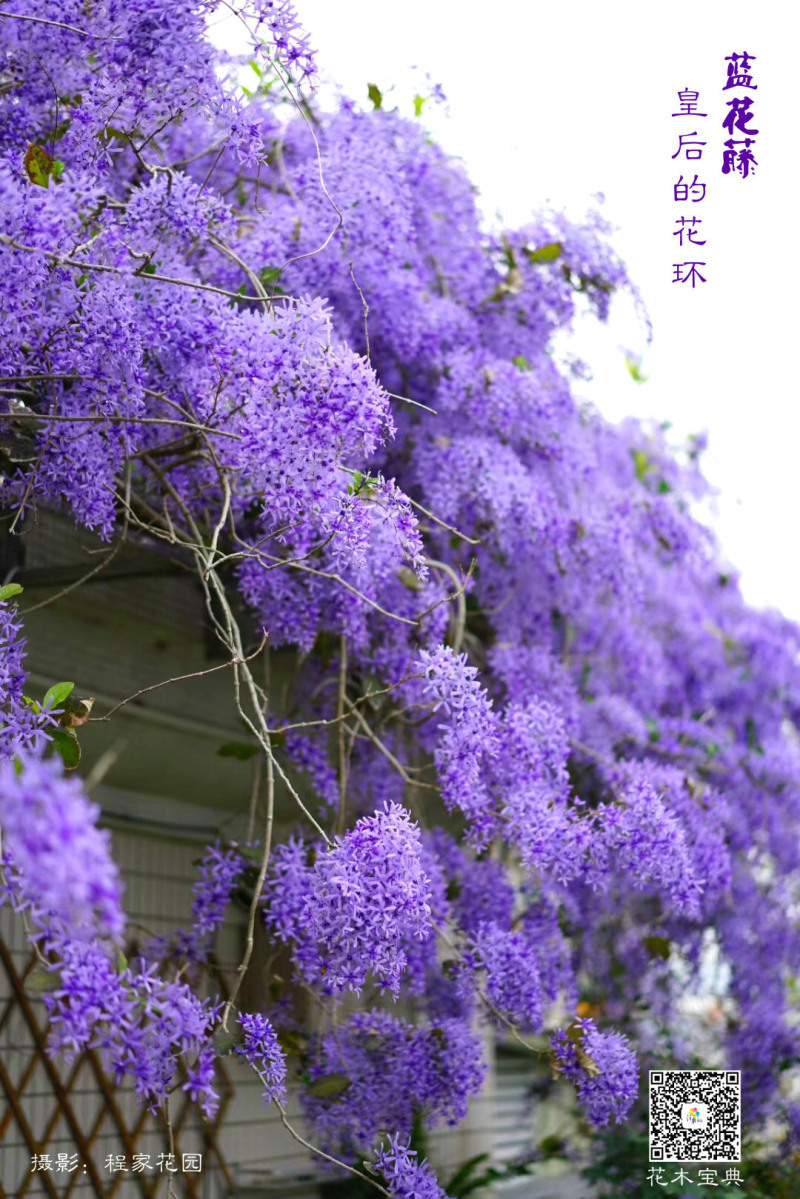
(536, 744)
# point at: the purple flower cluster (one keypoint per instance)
(291, 43)
(21, 726)
(263, 1052)
(477, 890)
(369, 894)
(141, 1023)
(219, 872)
(59, 871)
(395, 1072)
(511, 966)
(405, 1176)
(311, 757)
(467, 738)
(602, 1067)
(646, 840)
(530, 779)
(350, 913)
(63, 859)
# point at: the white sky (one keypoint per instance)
(555, 103)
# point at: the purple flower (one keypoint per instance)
(468, 738)
(369, 894)
(395, 1072)
(200, 1081)
(645, 838)
(311, 757)
(406, 1177)
(513, 982)
(219, 872)
(291, 44)
(142, 1024)
(63, 858)
(21, 726)
(351, 913)
(602, 1067)
(263, 1052)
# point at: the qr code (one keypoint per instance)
(695, 1116)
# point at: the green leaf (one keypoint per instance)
(270, 275)
(418, 103)
(464, 1174)
(409, 579)
(375, 95)
(225, 1040)
(548, 253)
(292, 1043)
(122, 962)
(328, 1086)
(658, 947)
(371, 685)
(253, 852)
(642, 464)
(41, 980)
(58, 168)
(67, 745)
(38, 165)
(634, 366)
(521, 363)
(240, 750)
(10, 590)
(54, 696)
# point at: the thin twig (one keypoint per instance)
(416, 403)
(16, 16)
(387, 753)
(180, 678)
(52, 418)
(319, 1152)
(262, 874)
(106, 268)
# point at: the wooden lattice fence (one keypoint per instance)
(75, 1117)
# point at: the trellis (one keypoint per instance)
(91, 1178)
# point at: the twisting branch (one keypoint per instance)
(334, 1161)
(109, 269)
(241, 969)
(16, 16)
(179, 678)
(341, 704)
(372, 736)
